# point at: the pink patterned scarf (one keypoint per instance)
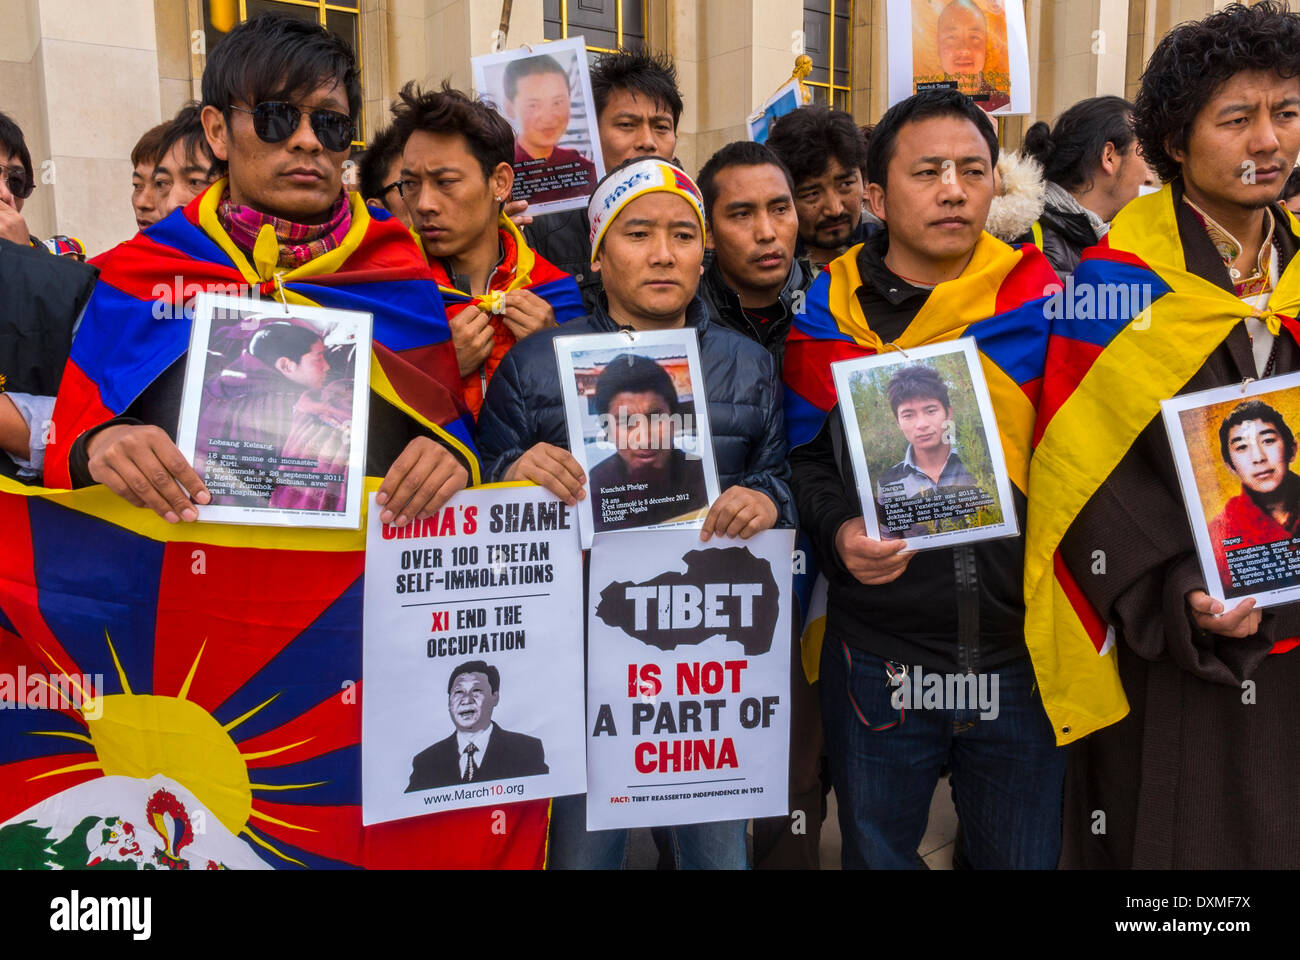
(298, 242)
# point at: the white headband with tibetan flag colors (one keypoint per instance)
(616, 191)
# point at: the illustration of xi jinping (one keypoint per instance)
(480, 749)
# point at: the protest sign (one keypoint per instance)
(925, 446)
(546, 96)
(688, 678)
(274, 411)
(979, 47)
(473, 656)
(638, 424)
(1234, 448)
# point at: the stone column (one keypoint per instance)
(731, 55)
(94, 72)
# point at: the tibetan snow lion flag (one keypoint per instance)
(189, 697)
(1156, 318)
(999, 300)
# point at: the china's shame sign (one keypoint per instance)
(473, 656)
(688, 678)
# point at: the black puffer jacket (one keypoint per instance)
(724, 307)
(1066, 234)
(565, 240)
(524, 405)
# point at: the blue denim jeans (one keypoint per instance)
(1006, 772)
(697, 846)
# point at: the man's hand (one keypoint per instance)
(12, 225)
(739, 512)
(514, 210)
(419, 482)
(15, 435)
(1241, 621)
(552, 467)
(872, 562)
(471, 334)
(527, 313)
(142, 466)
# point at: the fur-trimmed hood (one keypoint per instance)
(1020, 199)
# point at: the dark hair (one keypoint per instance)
(1292, 185)
(11, 139)
(491, 138)
(1254, 410)
(278, 57)
(1071, 150)
(649, 74)
(276, 340)
(916, 383)
(866, 131)
(186, 128)
(918, 107)
(1195, 59)
(741, 153)
(529, 67)
(807, 138)
(633, 373)
(148, 149)
(385, 146)
(477, 666)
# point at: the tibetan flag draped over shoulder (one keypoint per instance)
(521, 268)
(1145, 313)
(137, 323)
(189, 697)
(998, 300)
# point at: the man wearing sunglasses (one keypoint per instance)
(16, 182)
(279, 99)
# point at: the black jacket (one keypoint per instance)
(565, 240)
(41, 299)
(954, 609)
(1066, 234)
(725, 309)
(524, 405)
(508, 755)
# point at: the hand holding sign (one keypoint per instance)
(739, 512)
(872, 562)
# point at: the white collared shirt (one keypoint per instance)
(480, 740)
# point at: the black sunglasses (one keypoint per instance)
(276, 120)
(16, 180)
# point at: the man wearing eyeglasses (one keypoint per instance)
(280, 97)
(380, 176)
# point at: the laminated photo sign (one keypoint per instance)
(1234, 448)
(274, 411)
(925, 446)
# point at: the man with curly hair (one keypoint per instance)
(1198, 769)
